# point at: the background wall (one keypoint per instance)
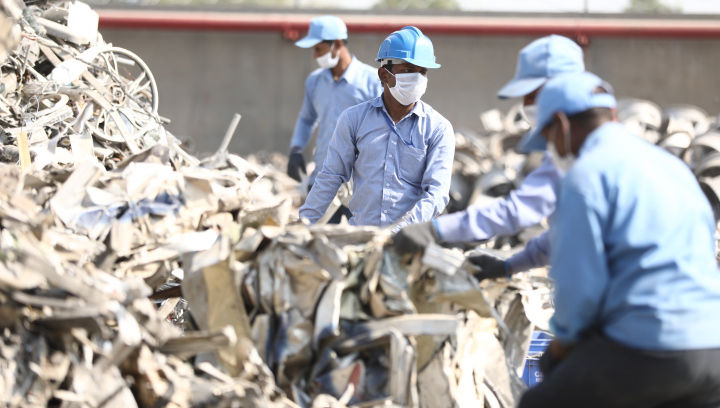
(206, 76)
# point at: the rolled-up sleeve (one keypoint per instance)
(436, 178)
(336, 170)
(525, 206)
(579, 269)
(306, 119)
(536, 254)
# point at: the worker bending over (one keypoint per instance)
(637, 288)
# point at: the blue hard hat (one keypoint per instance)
(541, 60)
(323, 28)
(410, 45)
(570, 93)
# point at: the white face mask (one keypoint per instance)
(409, 88)
(326, 60)
(562, 163)
(529, 113)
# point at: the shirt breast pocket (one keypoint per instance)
(412, 164)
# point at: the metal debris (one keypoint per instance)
(97, 221)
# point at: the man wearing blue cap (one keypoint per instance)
(340, 82)
(397, 149)
(534, 199)
(637, 289)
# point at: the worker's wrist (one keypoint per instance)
(519, 262)
(436, 229)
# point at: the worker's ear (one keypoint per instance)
(563, 122)
(613, 114)
(563, 132)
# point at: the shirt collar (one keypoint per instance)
(596, 135)
(420, 109)
(350, 74)
(352, 71)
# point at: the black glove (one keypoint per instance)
(491, 267)
(296, 164)
(548, 362)
(415, 238)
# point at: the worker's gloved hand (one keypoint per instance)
(548, 363)
(553, 356)
(415, 237)
(491, 267)
(296, 164)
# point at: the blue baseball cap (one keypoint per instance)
(569, 93)
(541, 60)
(323, 28)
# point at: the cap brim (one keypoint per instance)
(431, 65)
(307, 42)
(520, 87)
(533, 141)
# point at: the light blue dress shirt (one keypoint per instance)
(401, 172)
(324, 101)
(535, 254)
(633, 248)
(525, 206)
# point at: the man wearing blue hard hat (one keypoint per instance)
(397, 149)
(534, 199)
(637, 289)
(340, 82)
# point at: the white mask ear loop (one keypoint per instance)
(393, 75)
(564, 163)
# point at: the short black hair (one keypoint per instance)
(591, 115)
(329, 42)
(594, 114)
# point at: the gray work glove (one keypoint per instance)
(491, 267)
(415, 238)
(296, 164)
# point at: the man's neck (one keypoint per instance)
(342, 65)
(582, 132)
(394, 108)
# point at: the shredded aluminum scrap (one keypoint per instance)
(339, 316)
(94, 225)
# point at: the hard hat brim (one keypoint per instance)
(520, 87)
(308, 42)
(420, 63)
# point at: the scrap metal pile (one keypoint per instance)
(97, 217)
(135, 274)
(339, 316)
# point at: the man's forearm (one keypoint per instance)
(536, 254)
(425, 209)
(319, 198)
